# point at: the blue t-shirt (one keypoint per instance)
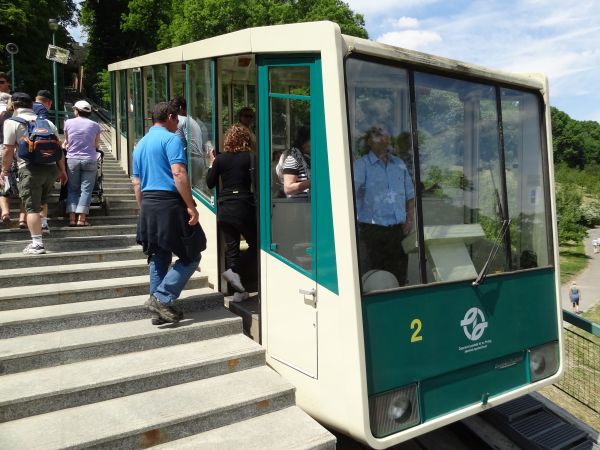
(382, 190)
(152, 159)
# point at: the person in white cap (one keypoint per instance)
(82, 138)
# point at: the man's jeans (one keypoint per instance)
(166, 285)
(82, 177)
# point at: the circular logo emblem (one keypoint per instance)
(474, 324)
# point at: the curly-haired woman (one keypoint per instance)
(236, 213)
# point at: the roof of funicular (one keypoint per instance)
(315, 37)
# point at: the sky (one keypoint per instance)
(560, 38)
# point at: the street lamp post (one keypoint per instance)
(53, 25)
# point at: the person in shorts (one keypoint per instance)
(35, 180)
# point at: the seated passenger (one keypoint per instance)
(296, 166)
(384, 206)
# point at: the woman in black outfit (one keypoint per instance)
(236, 212)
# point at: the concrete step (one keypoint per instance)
(98, 220)
(67, 386)
(48, 319)
(94, 211)
(289, 428)
(72, 243)
(15, 260)
(16, 234)
(31, 276)
(23, 353)
(122, 203)
(149, 418)
(81, 291)
(124, 189)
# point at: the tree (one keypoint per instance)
(31, 34)
(568, 201)
(192, 20)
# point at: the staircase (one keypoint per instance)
(81, 365)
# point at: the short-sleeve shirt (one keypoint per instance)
(152, 159)
(296, 163)
(81, 138)
(13, 130)
(382, 190)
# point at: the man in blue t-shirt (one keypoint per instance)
(168, 222)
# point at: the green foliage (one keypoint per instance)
(25, 23)
(576, 143)
(103, 88)
(568, 201)
(192, 20)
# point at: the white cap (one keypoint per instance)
(82, 105)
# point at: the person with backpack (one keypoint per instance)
(574, 295)
(39, 159)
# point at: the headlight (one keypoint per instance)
(543, 361)
(394, 411)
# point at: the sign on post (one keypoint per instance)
(58, 54)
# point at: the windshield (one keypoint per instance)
(446, 187)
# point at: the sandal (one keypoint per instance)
(22, 225)
(5, 219)
(83, 224)
(73, 224)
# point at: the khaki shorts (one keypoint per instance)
(35, 183)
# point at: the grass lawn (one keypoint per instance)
(572, 260)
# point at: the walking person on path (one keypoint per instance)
(574, 296)
(168, 221)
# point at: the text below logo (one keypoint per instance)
(474, 324)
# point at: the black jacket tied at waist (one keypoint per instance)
(163, 224)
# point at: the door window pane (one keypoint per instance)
(290, 145)
(289, 80)
(525, 180)
(382, 154)
(200, 123)
(461, 179)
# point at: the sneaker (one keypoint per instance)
(45, 228)
(234, 280)
(239, 297)
(33, 249)
(157, 320)
(164, 312)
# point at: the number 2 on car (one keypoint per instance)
(416, 325)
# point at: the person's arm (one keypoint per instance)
(8, 152)
(212, 175)
(62, 172)
(137, 190)
(97, 139)
(182, 184)
(292, 186)
(65, 143)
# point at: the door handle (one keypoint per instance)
(311, 291)
(312, 300)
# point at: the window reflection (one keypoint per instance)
(524, 179)
(384, 190)
(462, 195)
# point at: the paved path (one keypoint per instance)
(587, 281)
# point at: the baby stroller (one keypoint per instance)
(98, 199)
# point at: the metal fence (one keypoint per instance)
(581, 378)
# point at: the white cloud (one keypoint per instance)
(412, 39)
(406, 22)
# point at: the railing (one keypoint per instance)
(581, 378)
